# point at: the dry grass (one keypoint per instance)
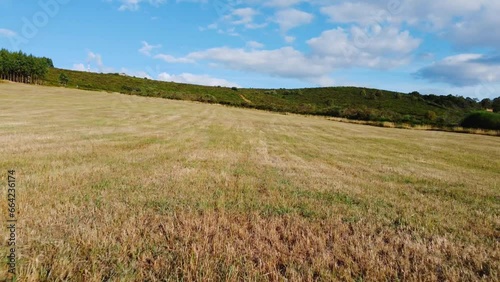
(125, 188)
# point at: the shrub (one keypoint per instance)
(431, 115)
(63, 79)
(482, 120)
(371, 96)
(207, 98)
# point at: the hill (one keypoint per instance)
(349, 102)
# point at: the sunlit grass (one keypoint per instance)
(118, 187)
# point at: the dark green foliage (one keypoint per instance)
(20, 67)
(49, 62)
(496, 105)
(63, 79)
(371, 96)
(483, 120)
(486, 103)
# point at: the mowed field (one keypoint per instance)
(113, 187)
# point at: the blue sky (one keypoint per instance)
(441, 47)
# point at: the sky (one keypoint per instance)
(431, 46)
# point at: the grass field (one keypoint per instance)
(115, 187)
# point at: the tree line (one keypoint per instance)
(24, 68)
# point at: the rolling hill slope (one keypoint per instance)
(348, 102)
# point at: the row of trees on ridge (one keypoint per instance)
(24, 68)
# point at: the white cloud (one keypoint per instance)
(289, 39)
(7, 33)
(172, 59)
(95, 58)
(291, 18)
(463, 70)
(196, 79)
(350, 12)
(242, 16)
(254, 45)
(134, 5)
(337, 48)
(147, 48)
(95, 63)
(282, 3)
(463, 22)
(79, 67)
(381, 48)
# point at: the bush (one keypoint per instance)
(431, 115)
(482, 120)
(63, 79)
(207, 98)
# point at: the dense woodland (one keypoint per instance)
(24, 68)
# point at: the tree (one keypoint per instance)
(20, 67)
(496, 105)
(486, 103)
(63, 79)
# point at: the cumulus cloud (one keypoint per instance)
(333, 49)
(241, 16)
(254, 45)
(463, 70)
(172, 59)
(463, 22)
(196, 79)
(349, 12)
(291, 18)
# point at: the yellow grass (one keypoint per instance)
(124, 188)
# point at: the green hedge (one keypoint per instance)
(482, 120)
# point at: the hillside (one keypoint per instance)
(348, 102)
(124, 188)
